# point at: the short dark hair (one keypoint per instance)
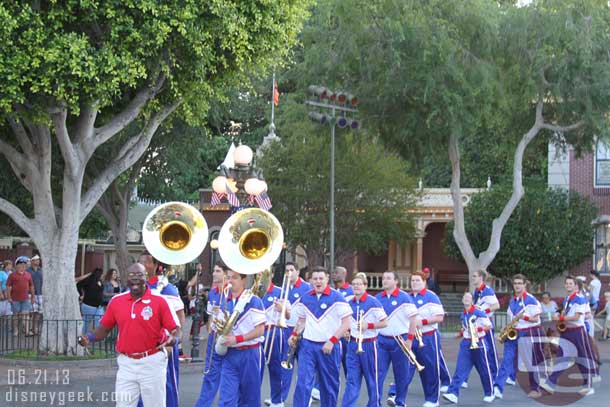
(570, 277)
(393, 273)
(319, 269)
(221, 264)
(519, 276)
(546, 293)
(595, 273)
(290, 263)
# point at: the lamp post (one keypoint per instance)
(332, 108)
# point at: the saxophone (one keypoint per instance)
(225, 327)
(509, 332)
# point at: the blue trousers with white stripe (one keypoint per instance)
(429, 356)
(584, 356)
(525, 348)
(279, 378)
(390, 352)
(467, 358)
(311, 361)
(211, 380)
(240, 379)
(444, 370)
(361, 365)
(493, 355)
(171, 383)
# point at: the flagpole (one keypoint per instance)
(272, 126)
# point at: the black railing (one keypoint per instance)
(453, 322)
(23, 337)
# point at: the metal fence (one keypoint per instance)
(22, 337)
(453, 321)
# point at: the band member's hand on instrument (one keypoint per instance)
(229, 340)
(292, 341)
(278, 305)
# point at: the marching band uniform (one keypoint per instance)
(278, 348)
(576, 334)
(347, 291)
(213, 362)
(429, 305)
(161, 285)
(526, 329)
(322, 314)
(240, 379)
(467, 358)
(399, 307)
(364, 364)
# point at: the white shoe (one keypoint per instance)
(464, 385)
(587, 392)
(444, 389)
(315, 394)
(450, 397)
(430, 404)
(310, 401)
(510, 381)
(391, 401)
(489, 399)
(277, 405)
(497, 393)
(267, 402)
(596, 379)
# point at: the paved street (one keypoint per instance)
(96, 385)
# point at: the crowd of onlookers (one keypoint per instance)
(21, 294)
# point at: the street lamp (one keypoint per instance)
(337, 109)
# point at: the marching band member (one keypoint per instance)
(240, 379)
(474, 321)
(367, 317)
(430, 313)
(575, 306)
(213, 363)
(276, 341)
(526, 309)
(320, 312)
(159, 284)
(484, 298)
(340, 281)
(402, 320)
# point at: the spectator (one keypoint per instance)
(92, 289)
(112, 286)
(595, 286)
(607, 311)
(5, 306)
(431, 280)
(8, 267)
(18, 285)
(549, 309)
(36, 272)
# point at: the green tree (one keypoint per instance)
(548, 233)
(372, 189)
(74, 74)
(431, 74)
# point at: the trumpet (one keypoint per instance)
(474, 339)
(408, 352)
(561, 325)
(360, 333)
(419, 337)
(509, 332)
(287, 364)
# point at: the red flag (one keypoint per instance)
(276, 94)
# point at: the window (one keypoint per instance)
(602, 163)
(602, 248)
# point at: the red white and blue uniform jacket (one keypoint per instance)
(399, 307)
(372, 313)
(322, 313)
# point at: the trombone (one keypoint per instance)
(408, 352)
(281, 321)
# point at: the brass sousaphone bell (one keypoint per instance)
(250, 241)
(175, 233)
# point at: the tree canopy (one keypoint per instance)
(549, 233)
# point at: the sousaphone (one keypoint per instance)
(175, 233)
(250, 241)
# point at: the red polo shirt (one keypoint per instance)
(20, 284)
(140, 321)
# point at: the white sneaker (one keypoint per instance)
(315, 394)
(267, 402)
(310, 401)
(430, 404)
(391, 401)
(497, 393)
(464, 385)
(444, 389)
(450, 397)
(510, 381)
(277, 405)
(587, 392)
(489, 399)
